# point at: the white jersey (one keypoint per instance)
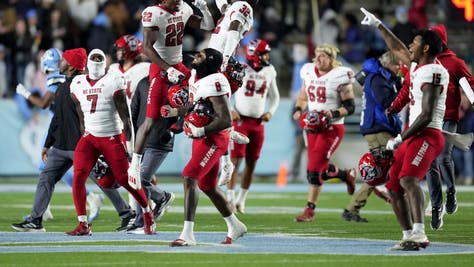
(323, 90)
(132, 76)
(212, 85)
(434, 74)
(100, 114)
(240, 11)
(170, 26)
(251, 97)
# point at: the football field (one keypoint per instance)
(273, 238)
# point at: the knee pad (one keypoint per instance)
(314, 178)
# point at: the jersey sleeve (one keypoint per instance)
(304, 72)
(149, 17)
(344, 76)
(216, 85)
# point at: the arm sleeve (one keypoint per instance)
(403, 96)
(232, 40)
(273, 96)
(207, 22)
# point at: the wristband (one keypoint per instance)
(295, 109)
(335, 113)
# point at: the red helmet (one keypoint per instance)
(255, 49)
(178, 95)
(201, 115)
(314, 121)
(131, 46)
(372, 173)
(107, 181)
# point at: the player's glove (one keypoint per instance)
(200, 4)
(369, 19)
(239, 138)
(134, 178)
(21, 90)
(393, 143)
(168, 111)
(193, 131)
(174, 75)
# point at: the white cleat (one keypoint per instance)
(239, 138)
(226, 174)
(234, 233)
(181, 242)
(96, 201)
(48, 215)
(240, 207)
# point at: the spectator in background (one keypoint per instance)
(417, 14)
(3, 72)
(354, 47)
(23, 43)
(33, 29)
(403, 29)
(100, 34)
(55, 33)
(35, 78)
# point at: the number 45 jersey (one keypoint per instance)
(251, 97)
(97, 102)
(323, 90)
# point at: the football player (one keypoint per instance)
(420, 144)
(249, 114)
(163, 30)
(210, 141)
(101, 104)
(327, 88)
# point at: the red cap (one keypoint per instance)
(440, 30)
(76, 58)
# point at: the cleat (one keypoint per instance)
(48, 215)
(136, 230)
(237, 231)
(240, 207)
(149, 224)
(437, 218)
(406, 246)
(350, 216)
(238, 137)
(126, 222)
(83, 228)
(306, 216)
(451, 203)
(419, 238)
(27, 226)
(182, 243)
(226, 173)
(95, 201)
(161, 208)
(227, 241)
(350, 181)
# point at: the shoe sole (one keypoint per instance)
(29, 230)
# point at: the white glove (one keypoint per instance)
(21, 90)
(134, 179)
(193, 131)
(225, 61)
(369, 19)
(201, 4)
(239, 138)
(393, 143)
(174, 75)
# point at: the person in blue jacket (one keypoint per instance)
(381, 84)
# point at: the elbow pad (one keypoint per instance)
(349, 105)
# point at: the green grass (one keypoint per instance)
(457, 229)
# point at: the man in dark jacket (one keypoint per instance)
(159, 144)
(380, 89)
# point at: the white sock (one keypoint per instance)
(231, 220)
(188, 231)
(82, 218)
(406, 234)
(230, 195)
(146, 209)
(226, 159)
(242, 195)
(419, 228)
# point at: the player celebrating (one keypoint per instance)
(211, 90)
(101, 103)
(249, 115)
(163, 30)
(237, 20)
(422, 141)
(326, 90)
